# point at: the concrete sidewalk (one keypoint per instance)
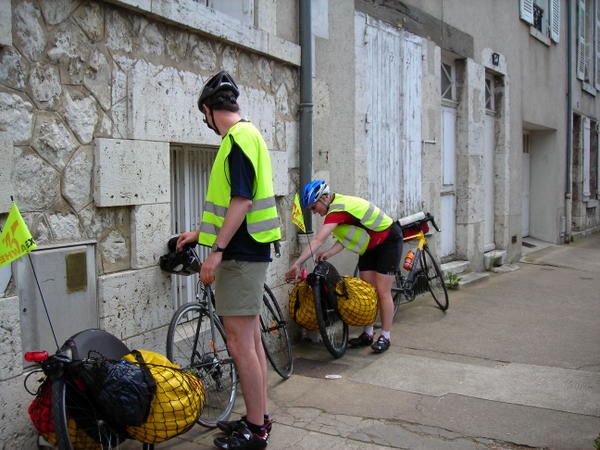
(514, 363)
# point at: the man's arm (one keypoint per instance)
(236, 213)
(312, 247)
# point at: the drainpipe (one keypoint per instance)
(565, 228)
(306, 105)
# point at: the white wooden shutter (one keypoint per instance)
(598, 164)
(555, 20)
(581, 39)
(586, 157)
(597, 48)
(526, 11)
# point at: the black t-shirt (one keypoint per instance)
(242, 246)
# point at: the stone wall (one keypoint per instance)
(92, 94)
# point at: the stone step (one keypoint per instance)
(505, 268)
(455, 267)
(472, 278)
(494, 258)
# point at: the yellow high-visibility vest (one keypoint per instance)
(353, 237)
(262, 219)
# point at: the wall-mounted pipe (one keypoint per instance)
(306, 105)
(568, 168)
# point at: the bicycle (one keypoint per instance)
(425, 274)
(77, 420)
(333, 330)
(196, 339)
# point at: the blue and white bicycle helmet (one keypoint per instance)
(313, 191)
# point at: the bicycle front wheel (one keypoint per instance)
(435, 279)
(190, 345)
(275, 339)
(333, 330)
(77, 422)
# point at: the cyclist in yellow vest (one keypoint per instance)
(363, 228)
(239, 222)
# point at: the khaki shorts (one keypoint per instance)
(239, 287)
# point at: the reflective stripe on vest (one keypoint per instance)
(352, 237)
(262, 220)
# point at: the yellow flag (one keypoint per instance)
(15, 239)
(297, 216)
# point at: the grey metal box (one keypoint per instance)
(67, 278)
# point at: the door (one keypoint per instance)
(488, 182)
(448, 191)
(525, 168)
(388, 120)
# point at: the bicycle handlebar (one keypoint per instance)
(429, 218)
(421, 217)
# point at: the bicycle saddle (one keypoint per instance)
(95, 340)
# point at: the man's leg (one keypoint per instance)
(260, 351)
(383, 285)
(241, 343)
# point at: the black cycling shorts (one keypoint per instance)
(385, 258)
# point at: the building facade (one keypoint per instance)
(464, 109)
(482, 112)
(104, 150)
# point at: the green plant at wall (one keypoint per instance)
(597, 443)
(453, 280)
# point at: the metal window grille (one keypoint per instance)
(190, 170)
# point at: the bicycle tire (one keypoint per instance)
(274, 335)
(435, 279)
(333, 329)
(189, 344)
(77, 422)
(397, 300)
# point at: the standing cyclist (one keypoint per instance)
(239, 222)
(363, 228)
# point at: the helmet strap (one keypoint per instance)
(214, 125)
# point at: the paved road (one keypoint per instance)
(514, 363)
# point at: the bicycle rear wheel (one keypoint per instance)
(435, 279)
(333, 330)
(78, 424)
(275, 339)
(189, 344)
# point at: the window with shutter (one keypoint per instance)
(555, 20)
(242, 10)
(526, 11)
(586, 157)
(597, 46)
(597, 164)
(581, 39)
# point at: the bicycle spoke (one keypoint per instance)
(190, 344)
(275, 339)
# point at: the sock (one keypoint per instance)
(256, 429)
(369, 330)
(385, 334)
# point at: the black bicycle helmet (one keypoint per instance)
(183, 262)
(218, 83)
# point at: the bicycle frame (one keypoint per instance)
(405, 283)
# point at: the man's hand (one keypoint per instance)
(292, 274)
(209, 267)
(187, 237)
(322, 257)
